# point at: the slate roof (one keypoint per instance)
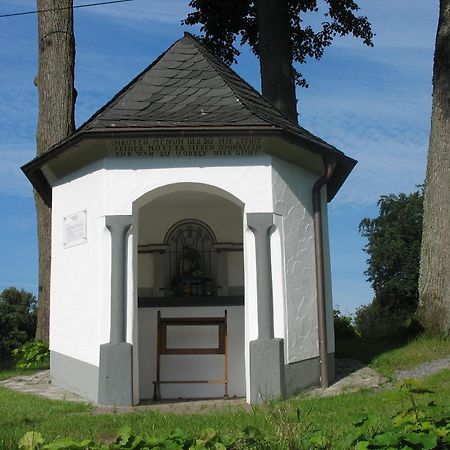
(188, 86)
(189, 90)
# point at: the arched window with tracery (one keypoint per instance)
(192, 258)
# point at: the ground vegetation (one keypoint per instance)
(393, 249)
(17, 321)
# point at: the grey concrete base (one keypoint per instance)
(115, 387)
(74, 376)
(266, 370)
(304, 374)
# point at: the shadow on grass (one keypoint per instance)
(366, 349)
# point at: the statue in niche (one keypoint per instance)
(190, 280)
(189, 263)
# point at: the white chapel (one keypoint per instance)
(190, 254)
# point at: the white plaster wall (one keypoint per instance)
(192, 367)
(80, 291)
(224, 220)
(292, 187)
(250, 306)
(146, 277)
(235, 268)
(245, 179)
(133, 300)
(278, 277)
(79, 274)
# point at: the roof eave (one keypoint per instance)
(101, 133)
(345, 164)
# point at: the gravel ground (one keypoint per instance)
(423, 370)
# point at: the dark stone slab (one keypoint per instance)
(167, 302)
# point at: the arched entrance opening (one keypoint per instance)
(190, 266)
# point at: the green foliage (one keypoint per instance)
(32, 354)
(17, 320)
(393, 246)
(208, 439)
(31, 440)
(388, 354)
(298, 423)
(414, 427)
(223, 21)
(375, 320)
(343, 327)
(394, 239)
(415, 352)
(411, 428)
(324, 420)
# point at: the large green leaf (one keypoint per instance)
(388, 438)
(428, 441)
(31, 441)
(124, 435)
(68, 444)
(362, 445)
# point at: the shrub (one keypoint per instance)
(372, 320)
(17, 320)
(32, 354)
(343, 327)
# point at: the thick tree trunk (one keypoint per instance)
(275, 56)
(55, 83)
(434, 282)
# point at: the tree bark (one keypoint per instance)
(55, 83)
(275, 56)
(434, 282)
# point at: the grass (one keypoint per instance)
(415, 352)
(20, 413)
(389, 354)
(9, 373)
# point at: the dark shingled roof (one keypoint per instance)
(189, 90)
(188, 86)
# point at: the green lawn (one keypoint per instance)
(9, 373)
(388, 354)
(281, 422)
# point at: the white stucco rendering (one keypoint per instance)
(190, 253)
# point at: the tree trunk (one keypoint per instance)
(434, 283)
(55, 83)
(275, 56)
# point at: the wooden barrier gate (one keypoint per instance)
(162, 349)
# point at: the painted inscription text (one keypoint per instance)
(185, 147)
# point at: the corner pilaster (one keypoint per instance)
(266, 352)
(116, 357)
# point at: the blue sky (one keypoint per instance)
(372, 103)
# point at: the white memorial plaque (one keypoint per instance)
(75, 229)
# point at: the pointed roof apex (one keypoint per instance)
(186, 86)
